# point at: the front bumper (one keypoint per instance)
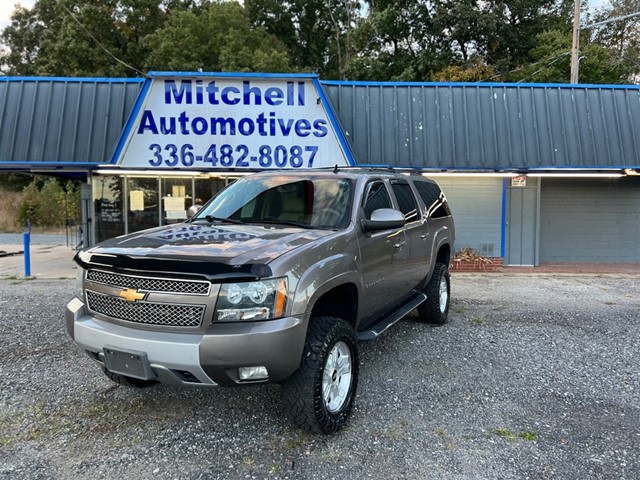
(196, 359)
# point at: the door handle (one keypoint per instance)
(399, 245)
(424, 236)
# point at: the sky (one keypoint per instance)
(7, 6)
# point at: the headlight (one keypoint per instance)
(79, 278)
(259, 300)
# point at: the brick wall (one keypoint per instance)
(493, 264)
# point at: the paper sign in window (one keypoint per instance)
(136, 200)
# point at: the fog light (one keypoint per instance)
(253, 373)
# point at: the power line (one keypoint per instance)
(546, 66)
(554, 60)
(100, 44)
(610, 20)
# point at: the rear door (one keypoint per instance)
(417, 263)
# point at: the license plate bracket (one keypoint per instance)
(129, 363)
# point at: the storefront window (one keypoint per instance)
(177, 197)
(109, 209)
(143, 203)
(207, 188)
(129, 204)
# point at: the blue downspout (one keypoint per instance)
(503, 233)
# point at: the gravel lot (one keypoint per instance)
(536, 376)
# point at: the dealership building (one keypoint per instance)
(533, 172)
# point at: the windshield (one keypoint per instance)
(308, 203)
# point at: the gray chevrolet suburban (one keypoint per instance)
(275, 280)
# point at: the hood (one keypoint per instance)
(209, 249)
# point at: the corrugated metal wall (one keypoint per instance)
(441, 126)
(590, 220)
(63, 120)
(489, 126)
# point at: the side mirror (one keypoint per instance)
(384, 219)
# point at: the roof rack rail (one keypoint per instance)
(371, 168)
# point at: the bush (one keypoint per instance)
(49, 204)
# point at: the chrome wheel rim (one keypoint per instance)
(444, 294)
(336, 378)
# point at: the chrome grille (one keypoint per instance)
(149, 313)
(150, 284)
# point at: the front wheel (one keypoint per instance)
(435, 309)
(319, 395)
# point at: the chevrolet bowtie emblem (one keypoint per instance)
(131, 295)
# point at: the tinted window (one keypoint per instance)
(434, 199)
(406, 201)
(377, 197)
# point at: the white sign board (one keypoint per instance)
(240, 122)
(519, 181)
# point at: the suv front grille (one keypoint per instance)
(150, 313)
(150, 284)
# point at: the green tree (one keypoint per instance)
(218, 37)
(15, 181)
(417, 39)
(83, 37)
(621, 36)
(552, 61)
(22, 41)
(49, 202)
(317, 33)
(517, 26)
(398, 40)
(473, 73)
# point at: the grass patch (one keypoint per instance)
(510, 436)
(292, 440)
(479, 320)
(528, 436)
(504, 433)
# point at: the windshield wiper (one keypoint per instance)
(291, 223)
(212, 219)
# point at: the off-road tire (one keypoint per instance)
(435, 309)
(128, 381)
(302, 393)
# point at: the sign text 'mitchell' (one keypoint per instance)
(189, 92)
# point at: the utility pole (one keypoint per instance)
(575, 48)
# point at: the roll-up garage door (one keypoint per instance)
(590, 220)
(476, 204)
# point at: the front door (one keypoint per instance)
(382, 254)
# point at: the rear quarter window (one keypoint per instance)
(434, 199)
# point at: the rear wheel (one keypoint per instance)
(318, 397)
(128, 381)
(435, 309)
